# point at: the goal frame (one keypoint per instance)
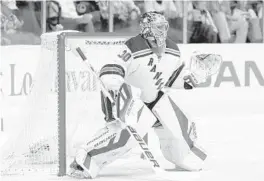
(61, 77)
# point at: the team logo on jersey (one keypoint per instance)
(159, 81)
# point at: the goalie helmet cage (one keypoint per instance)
(51, 85)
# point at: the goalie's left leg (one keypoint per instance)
(177, 135)
(113, 140)
(108, 144)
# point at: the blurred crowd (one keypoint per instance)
(215, 21)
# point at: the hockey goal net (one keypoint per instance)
(63, 108)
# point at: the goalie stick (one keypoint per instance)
(147, 153)
(133, 132)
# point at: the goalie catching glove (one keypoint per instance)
(201, 67)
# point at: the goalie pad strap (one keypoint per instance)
(152, 104)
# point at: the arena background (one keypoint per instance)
(228, 108)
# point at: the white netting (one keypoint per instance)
(33, 142)
(33, 146)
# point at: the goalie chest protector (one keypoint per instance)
(149, 72)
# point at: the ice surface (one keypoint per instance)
(230, 127)
(235, 151)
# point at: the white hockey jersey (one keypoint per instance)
(142, 68)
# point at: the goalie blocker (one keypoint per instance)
(177, 133)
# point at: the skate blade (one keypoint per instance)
(76, 174)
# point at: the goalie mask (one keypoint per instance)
(154, 27)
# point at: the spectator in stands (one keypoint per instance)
(123, 12)
(260, 14)
(9, 22)
(53, 16)
(141, 5)
(13, 25)
(91, 8)
(132, 25)
(237, 20)
(254, 9)
(76, 15)
(27, 12)
(220, 20)
(166, 7)
(203, 28)
(231, 21)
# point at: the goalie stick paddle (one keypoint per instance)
(133, 132)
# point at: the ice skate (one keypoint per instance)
(77, 171)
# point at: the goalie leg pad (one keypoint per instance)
(112, 141)
(177, 135)
(107, 145)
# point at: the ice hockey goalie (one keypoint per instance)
(149, 62)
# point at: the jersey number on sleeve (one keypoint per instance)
(125, 56)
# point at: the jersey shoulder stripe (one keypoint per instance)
(136, 44)
(142, 54)
(171, 45)
(172, 52)
(172, 48)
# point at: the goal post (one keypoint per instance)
(65, 45)
(62, 105)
